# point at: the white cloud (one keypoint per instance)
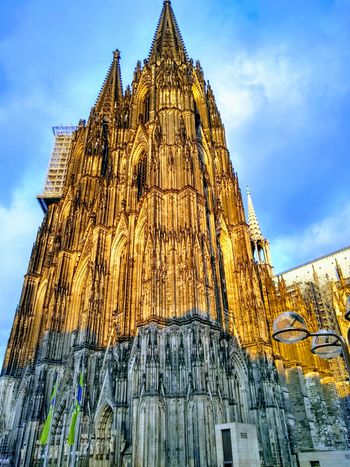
(320, 238)
(270, 77)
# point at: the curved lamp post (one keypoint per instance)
(290, 328)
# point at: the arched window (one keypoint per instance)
(261, 253)
(197, 118)
(146, 108)
(141, 175)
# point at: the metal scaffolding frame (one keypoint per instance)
(57, 169)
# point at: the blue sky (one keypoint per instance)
(280, 71)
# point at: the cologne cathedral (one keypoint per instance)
(148, 285)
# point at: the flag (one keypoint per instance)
(77, 406)
(47, 425)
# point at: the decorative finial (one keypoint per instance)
(248, 190)
(116, 54)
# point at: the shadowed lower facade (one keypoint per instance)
(146, 278)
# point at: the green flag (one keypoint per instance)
(77, 406)
(47, 425)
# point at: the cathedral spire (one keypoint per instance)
(260, 246)
(112, 88)
(254, 227)
(167, 41)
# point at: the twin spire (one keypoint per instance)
(167, 43)
(112, 89)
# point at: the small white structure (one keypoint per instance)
(324, 459)
(237, 445)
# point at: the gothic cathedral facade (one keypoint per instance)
(146, 278)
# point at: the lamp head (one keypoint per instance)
(347, 309)
(325, 344)
(289, 328)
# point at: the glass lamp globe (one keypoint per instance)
(289, 327)
(326, 345)
(347, 309)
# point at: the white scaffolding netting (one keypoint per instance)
(57, 171)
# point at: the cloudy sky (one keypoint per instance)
(279, 69)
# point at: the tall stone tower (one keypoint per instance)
(142, 279)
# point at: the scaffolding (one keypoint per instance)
(57, 170)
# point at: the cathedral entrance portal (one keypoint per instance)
(104, 449)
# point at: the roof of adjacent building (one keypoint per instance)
(325, 265)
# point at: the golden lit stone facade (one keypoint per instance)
(143, 277)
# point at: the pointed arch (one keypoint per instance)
(36, 329)
(139, 258)
(118, 268)
(146, 277)
(238, 384)
(228, 267)
(144, 85)
(79, 294)
(104, 446)
(141, 175)
(208, 161)
(19, 402)
(143, 97)
(140, 147)
(60, 423)
(139, 167)
(197, 90)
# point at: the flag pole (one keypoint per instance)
(74, 452)
(114, 325)
(52, 409)
(74, 429)
(62, 440)
(46, 458)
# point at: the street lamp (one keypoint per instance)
(347, 309)
(326, 344)
(290, 328)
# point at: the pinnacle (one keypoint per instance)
(254, 227)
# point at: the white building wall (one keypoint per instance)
(324, 267)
